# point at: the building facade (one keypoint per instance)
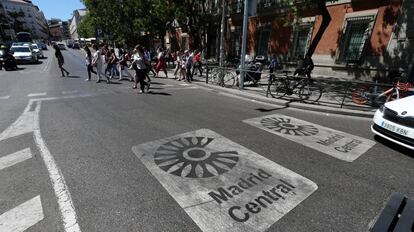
(59, 30)
(23, 15)
(74, 22)
(363, 40)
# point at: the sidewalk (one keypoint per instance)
(330, 102)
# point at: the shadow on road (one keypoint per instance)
(395, 147)
(159, 93)
(71, 76)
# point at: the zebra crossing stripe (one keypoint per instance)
(23, 216)
(15, 158)
(4, 97)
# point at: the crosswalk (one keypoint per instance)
(80, 93)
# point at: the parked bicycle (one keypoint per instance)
(224, 77)
(377, 95)
(282, 85)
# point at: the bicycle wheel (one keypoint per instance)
(361, 94)
(277, 88)
(213, 77)
(229, 79)
(310, 92)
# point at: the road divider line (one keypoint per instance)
(64, 199)
(69, 92)
(36, 94)
(23, 216)
(15, 158)
(4, 97)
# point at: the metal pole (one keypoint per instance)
(244, 45)
(223, 25)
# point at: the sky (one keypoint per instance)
(61, 9)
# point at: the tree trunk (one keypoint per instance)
(326, 19)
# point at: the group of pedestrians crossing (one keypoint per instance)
(105, 63)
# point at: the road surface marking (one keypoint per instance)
(184, 84)
(29, 122)
(69, 92)
(335, 143)
(15, 158)
(36, 94)
(4, 97)
(46, 67)
(62, 193)
(222, 185)
(24, 124)
(22, 217)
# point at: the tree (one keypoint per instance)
(86, 28)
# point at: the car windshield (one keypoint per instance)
(20, 49)
(35, 47)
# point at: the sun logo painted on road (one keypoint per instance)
(284, 126)
(191, 157)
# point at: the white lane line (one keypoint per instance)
(184, 84)
(23, 216)
(62, 193)
(4, 97)
(15, 158)
(69, 92)
(36, 94)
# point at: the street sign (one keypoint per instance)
(335, 143)
(222, 185)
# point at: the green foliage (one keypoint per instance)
(137, 21)
(86, 28)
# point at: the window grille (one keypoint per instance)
(355, 35)
(300, 41)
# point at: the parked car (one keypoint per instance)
(62, 46)
(394, 121)
(37, 50)
(24, 54)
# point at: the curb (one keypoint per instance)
(287, 104)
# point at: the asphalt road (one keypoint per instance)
(90, 129)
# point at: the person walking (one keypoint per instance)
(188, 66)
(60, 60)
(88, 61)
(123, 66)
(161, 63)
(197, 64)
(98, 63)
(112, 62)
(179, 60)
(140, 69)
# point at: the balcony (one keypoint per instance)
(281, 7)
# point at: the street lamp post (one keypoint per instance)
(244, 44)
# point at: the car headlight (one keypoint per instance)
(382, 108)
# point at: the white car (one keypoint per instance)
(24, 54)
(394, 121)
(38, 51)
(62, 46)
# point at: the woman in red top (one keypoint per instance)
(161, 63)
(197, 63)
